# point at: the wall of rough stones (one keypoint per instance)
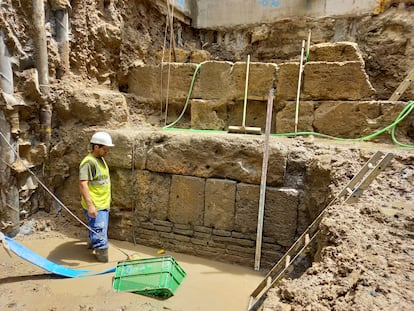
(199, 193)
(334, 85)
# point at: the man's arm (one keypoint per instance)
(84, 191)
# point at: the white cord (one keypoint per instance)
(53, 196)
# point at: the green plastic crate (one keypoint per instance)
(159, 276)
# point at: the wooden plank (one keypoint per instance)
(255, 300)
(403, 86)
(369, 178)
(361, 173)
(263, 181)
(367, 174)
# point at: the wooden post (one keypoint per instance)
(299, 86)
(260, 217)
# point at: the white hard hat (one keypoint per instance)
(102, 138)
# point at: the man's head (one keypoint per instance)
(100, 142)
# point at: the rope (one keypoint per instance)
(54, 197)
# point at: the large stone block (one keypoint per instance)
(214, 81)
(281, 210)
(285, 119)
(287, 81)
(121, 154)
(121, 224)
(151, 202)
(198, 56)
(93, 107)
(336, 81)
(324, 81)
(232, 156)
(208, 114)
(186, 200)
(145, 81)
(177, 55)
(335, 52)
(122, 187)
(247, 206)
(219, 211)
(346, 119)
(262, 77)
(255, 114)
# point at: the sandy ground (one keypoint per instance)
(209, 285)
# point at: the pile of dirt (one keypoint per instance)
(366, 262)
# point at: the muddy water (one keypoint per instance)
(208, 286)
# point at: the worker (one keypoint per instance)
(95, 189)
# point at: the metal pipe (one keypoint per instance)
(42, 68)
(62, 38)
(6, 72)
(40, 45)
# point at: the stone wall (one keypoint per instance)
(334, 85)
(199, 193)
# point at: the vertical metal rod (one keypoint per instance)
(171, 23)
(308, 45)
(245, 92)
(260, 217)
(299, 86)
(42, 68)
(62, 37)
(6, 72)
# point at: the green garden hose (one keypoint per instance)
(403, 114)
(188, 97)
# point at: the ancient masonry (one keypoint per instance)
(198, 193)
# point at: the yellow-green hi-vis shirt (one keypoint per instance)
(96, 171)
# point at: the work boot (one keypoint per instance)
(101, 254)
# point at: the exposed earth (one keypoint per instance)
(365, 262)
(365, 258)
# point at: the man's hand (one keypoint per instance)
(92, 212)
(84, 190)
